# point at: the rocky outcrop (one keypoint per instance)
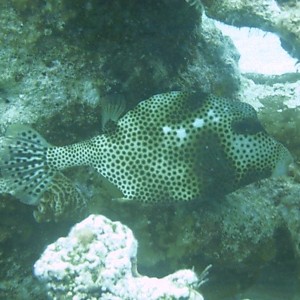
(280, 17)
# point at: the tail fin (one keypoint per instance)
(23, 164)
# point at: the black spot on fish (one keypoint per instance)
(246, 126)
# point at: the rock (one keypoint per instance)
(280, 17)
(276, 99)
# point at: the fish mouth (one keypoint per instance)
(285, 159)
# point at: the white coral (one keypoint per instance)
(96, 261)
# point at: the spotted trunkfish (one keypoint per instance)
(175, 146)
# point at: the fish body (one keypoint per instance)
(175, 146)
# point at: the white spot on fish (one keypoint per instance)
(166, 129)
(198, 123)
(181, 133)
(216, 119)
(211, 113)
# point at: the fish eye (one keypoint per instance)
(247, 126)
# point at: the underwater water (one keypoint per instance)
(136, 150)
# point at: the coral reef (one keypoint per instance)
(97, 260)
(60, 58)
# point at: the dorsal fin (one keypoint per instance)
(113, 106)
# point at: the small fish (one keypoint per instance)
(175, 146)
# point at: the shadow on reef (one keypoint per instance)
(22, 241)
(275, 280)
